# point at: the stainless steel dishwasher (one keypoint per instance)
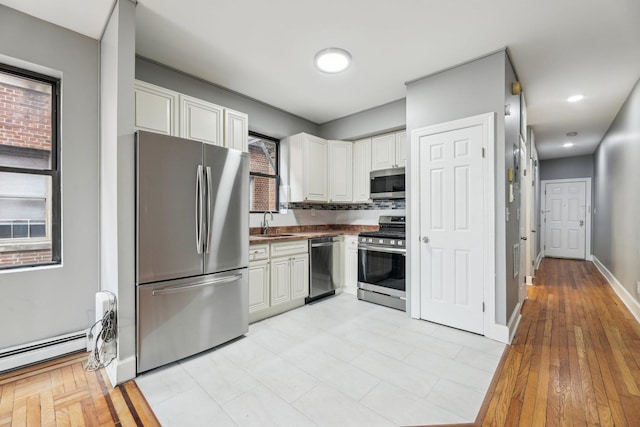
(324, 267)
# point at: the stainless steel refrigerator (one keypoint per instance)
(192, 247)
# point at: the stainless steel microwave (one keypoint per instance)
(387, 184)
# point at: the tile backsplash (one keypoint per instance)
(374, 205)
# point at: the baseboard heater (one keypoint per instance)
(39, 351)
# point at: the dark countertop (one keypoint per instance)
(290, 233)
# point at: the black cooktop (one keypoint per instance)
(390, 233)
(392, 227)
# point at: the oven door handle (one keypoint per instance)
(402, 252)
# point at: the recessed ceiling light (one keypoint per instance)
(572, 133)
(567, 144)
(332, 60)
(575, 98)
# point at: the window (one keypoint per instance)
(264, 180)
(29, 169)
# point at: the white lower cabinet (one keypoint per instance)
(258, 285)
(278, 278)
(350, 269)
(300, 276)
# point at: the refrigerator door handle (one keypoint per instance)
(208, 239)
(184, 288)
(199, 209)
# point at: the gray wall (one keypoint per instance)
(263, 118)
(511, 224)
(567, 167)
(374, 121)
(474, 88)
(617, 202)
(117, 186)
(41, 303)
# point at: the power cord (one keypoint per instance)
(105, 338)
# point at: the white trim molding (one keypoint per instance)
(120, 371)
(623, 294)
(487, 122)
(39, 351)
(514, 321)
(539, 259)
(587, 228)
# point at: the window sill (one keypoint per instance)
(18, 246)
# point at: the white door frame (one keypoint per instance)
(487, 121)
(543, 202)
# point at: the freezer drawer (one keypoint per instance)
(179, 318)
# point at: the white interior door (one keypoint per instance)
(523, 223)
(565, 217)
(451, 223)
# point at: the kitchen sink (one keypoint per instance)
(276, 235)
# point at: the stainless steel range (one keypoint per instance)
(381, 263)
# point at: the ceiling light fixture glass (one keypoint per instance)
(332, 60)
(575, 98)
(567, 144)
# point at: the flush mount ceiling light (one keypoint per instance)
(567, 144)
(332, 60)
(575, 98)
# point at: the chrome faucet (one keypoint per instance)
(265, 223)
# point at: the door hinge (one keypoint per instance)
(483, 306)
(482, 151)
(525, 172)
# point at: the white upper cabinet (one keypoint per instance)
(361, 170)
(340, 171)
(156, 109)
(308, 156)
(201, 120)
(383, 151)
(165, 111)
(389, 151)
(401, 149)
(236, 130)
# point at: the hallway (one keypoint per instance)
(575, 359)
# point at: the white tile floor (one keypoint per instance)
(339, 362)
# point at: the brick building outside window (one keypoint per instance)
(264, 173)
(29, 175)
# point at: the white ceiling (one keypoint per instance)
(264, 49)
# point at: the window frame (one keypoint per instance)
(265, 175)
(53, 171)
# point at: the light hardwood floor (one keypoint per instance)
(62, 393)
(575, 360)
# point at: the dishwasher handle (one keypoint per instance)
(320, 245)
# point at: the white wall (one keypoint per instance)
(40, 303)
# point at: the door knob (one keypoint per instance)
(523, 238)
(581, 222)
(425, 240)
